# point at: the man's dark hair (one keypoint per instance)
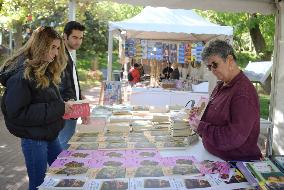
(73, 25)
(136, 65)
(218, 47)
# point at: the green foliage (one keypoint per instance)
(241, 23)
(264, 101)
(244, 57)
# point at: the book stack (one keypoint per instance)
(180, 128)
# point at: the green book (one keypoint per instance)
(265, 171)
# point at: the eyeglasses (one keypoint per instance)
(214, 65)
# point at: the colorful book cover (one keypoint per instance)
(265, 171)
(247, 173)
(214, 167)
(142, 145)
(89, 146)
(77, 172)
(81, 154)
(183, 160)
(112, 139)
(191, 182)
(113, 146)
(59, 183)
(197, 111)
(172, 145)
(143, 154)
(181, 169)
(80, 140)
(279, 161)
(91, 134)
(147, 162)
(110, 162)
(71, 163)
(112, 184)
(113, 153)
(152, 183)
(79, 109)
(107, 173)
(145, 171)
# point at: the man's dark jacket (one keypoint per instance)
(67, 87)
(30, 112)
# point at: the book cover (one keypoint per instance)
(110, 162)
(89, 146)
(247, 173)
(68, 171)
(113, 154)
(107, 173)
(59, 183)
(145, 171)
(147, 162)
(143, 154)
(71, 163)
(111, 184)
(113, 146)
(197, 111)
(152, 183)
(79, 109)
(265, 171)
(279, 162)
(80, 154)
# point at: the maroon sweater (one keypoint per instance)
(231, 123)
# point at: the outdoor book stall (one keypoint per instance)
(157, 35)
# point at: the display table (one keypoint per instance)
(162, 97)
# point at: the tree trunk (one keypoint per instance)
(18, 35)
(258, 39)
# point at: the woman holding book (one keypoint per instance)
(32, 105)
(230, 125)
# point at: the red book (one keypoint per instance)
(79, 109)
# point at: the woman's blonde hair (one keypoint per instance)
(35, 51)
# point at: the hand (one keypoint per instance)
(68, 107)
(85, 120)
(194, 122)
(83, 97)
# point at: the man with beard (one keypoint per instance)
(70, 87)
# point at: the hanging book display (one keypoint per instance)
(187, 57)
(173, 53)
(144, 49)
(138, 49)
(166, 53)
(159, 51)
(181, 53)
(129, 47)
(196, 51)
(150, 50)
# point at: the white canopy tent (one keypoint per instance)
(251, 6)
(161, 23)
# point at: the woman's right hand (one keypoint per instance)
(68, 107)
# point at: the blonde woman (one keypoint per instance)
(32, 105)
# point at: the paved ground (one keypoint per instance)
(13, 175)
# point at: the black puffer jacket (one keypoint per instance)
(30, 112)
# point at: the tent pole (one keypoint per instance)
(277, 92)
(110, 48)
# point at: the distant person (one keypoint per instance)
(230, 125)
(121, 72)
(70, 86)
(134, 74)
(167, 71)
(32, 105)
(175, 73)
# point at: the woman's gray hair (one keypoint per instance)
(218, 47)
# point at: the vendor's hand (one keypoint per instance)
(68, 107)
(194, 123)
(85, 120)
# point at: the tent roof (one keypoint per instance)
(164, 23)
(250, 6)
